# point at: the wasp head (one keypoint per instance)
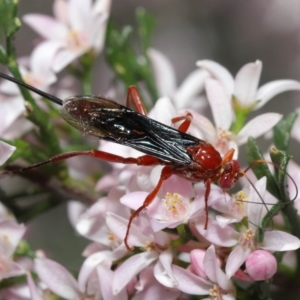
(230, 175)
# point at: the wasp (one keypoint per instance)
(178, 152)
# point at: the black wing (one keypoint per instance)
(113, 122)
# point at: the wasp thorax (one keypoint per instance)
(207, 156)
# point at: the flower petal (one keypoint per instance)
(201, 127)
(101, 7)
(166, 258)
(255, 206)
(89, 266)
(118, 226)
(213, 270)
(220, 73)
(164, 73)
(220, 104)
(134, 200)
(257, 126)
(38, 22)
(190, 283)
(34, 292)
(162, 277)
(176, 184)
(64, 57)
(246, 83)
(280, 241)
(97, 36)
(273, 88)
(80, 14)
(6, 151)
(197, 256)
(131, 267)
(156, 291)
(190, 88)
(75, 209)
(226, 237)
(60, 11)
(41, 61)
(235, 259)
(9, 88)
(105, 276)
(163, 111)
(10, 236)
(17, 129)
(57, 278)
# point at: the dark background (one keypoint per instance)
(230, 32)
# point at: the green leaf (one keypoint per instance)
(132, 66)
(260, 290)
(184, 234)
(12, 281)
(145, 29)
(3, 57)
(282, 131)
(25, 151)
(289, 211)
(281, 159)
(120, 55)
(241, 113)
(146, 24)
(261, 169)
(9, 22)
(242, 293)
(24, 249)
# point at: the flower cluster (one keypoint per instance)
(192, 238)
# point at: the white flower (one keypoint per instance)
(6, 151)
(215, 283)
(183, 96)
(220, 135)
(79, 26)
(244, 87)
(156, 252)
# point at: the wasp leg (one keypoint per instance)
(228, 156)
(134, 96)
(207, 192)
(165, 174)
(145, 160)
(187, 119)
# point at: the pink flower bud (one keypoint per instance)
(197, 257)
(261, 265)
(197, 262)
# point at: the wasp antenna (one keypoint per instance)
(33, 89)
(260, 197)
(261, 161)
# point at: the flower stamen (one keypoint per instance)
(31, 80)
(215, 292)
(247, 239)
(239, 202)
(224, 136)
(174, 206)
(76, 39)
(111, 236)
(114, 240)
(149, 246)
